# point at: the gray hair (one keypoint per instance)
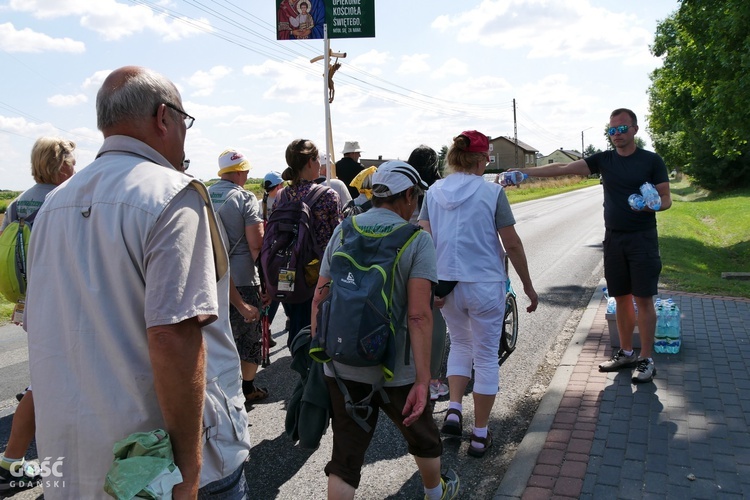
(136, 96)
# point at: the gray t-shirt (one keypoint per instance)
(417, 261)
(237, 209)
(27, 203)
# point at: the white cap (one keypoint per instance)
(397, 176)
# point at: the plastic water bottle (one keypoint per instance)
(513, 178)
(636, 202)
(660, 336)
(611, 303)
(673, 332)
(651, 196)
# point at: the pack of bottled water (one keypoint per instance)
(668, 327)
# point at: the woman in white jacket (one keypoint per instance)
(465, 214)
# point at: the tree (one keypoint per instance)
(590, 150)
(442, 154)
(699, 119)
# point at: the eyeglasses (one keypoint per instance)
(189, 120)
(622, 129)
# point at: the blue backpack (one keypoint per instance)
(355, 324)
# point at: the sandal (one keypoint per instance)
(477, 452)
(258, 394)
(451, 427)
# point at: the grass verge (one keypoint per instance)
(702, 236)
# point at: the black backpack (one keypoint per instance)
(290, 255)
(351, 209)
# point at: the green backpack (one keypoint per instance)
(14, 243)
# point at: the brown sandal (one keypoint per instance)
(477, 452)
(451, 427)
(258, 394)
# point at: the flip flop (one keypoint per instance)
(477, 452)
(451, 427)
(258, 394)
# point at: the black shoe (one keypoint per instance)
(20, 395)
(29, 479)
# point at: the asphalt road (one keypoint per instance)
(562, 237)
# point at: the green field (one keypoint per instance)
(701, 236)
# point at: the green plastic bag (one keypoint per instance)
(143, 467)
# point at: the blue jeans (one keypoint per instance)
(232, 487)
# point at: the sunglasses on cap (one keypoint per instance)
(621, 128)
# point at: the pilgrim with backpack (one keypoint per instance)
(372, 326)
(303, 218)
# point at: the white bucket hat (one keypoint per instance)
(351, 147)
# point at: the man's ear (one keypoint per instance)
(161, 119)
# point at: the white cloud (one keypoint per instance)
(96, 79)
(26, 40)
(66, 101)
(258, 121)
(206, 111)
(451, 67)
(369, 59)
(414, 64)
(205, 81)
(113, 20)
(551, 29)
(289, 82)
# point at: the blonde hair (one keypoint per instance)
(48, 155)
(460, 160)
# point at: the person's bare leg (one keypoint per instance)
(646, 324)
(625, 315)
(248, 370)
(22, 428)
(457, 386)
(482, 408)
(338, 489)
(429, 468)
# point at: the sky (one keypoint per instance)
(434, 69)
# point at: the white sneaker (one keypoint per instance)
(438, 390)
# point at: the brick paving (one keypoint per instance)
(687, 435)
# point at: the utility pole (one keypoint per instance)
(582, 146)
(515, 133)
(327, 54)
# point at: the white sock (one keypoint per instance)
(6, 462)
(480, 432)
(627, 353)
(455, 406)
(434, 493)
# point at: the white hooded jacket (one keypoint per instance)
(465, 213)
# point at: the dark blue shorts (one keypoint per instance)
(632, 263)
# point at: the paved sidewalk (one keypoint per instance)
(597, 435)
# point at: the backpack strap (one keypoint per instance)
(231, 195)
(315, 193)
(221, 262)
(361, 410)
